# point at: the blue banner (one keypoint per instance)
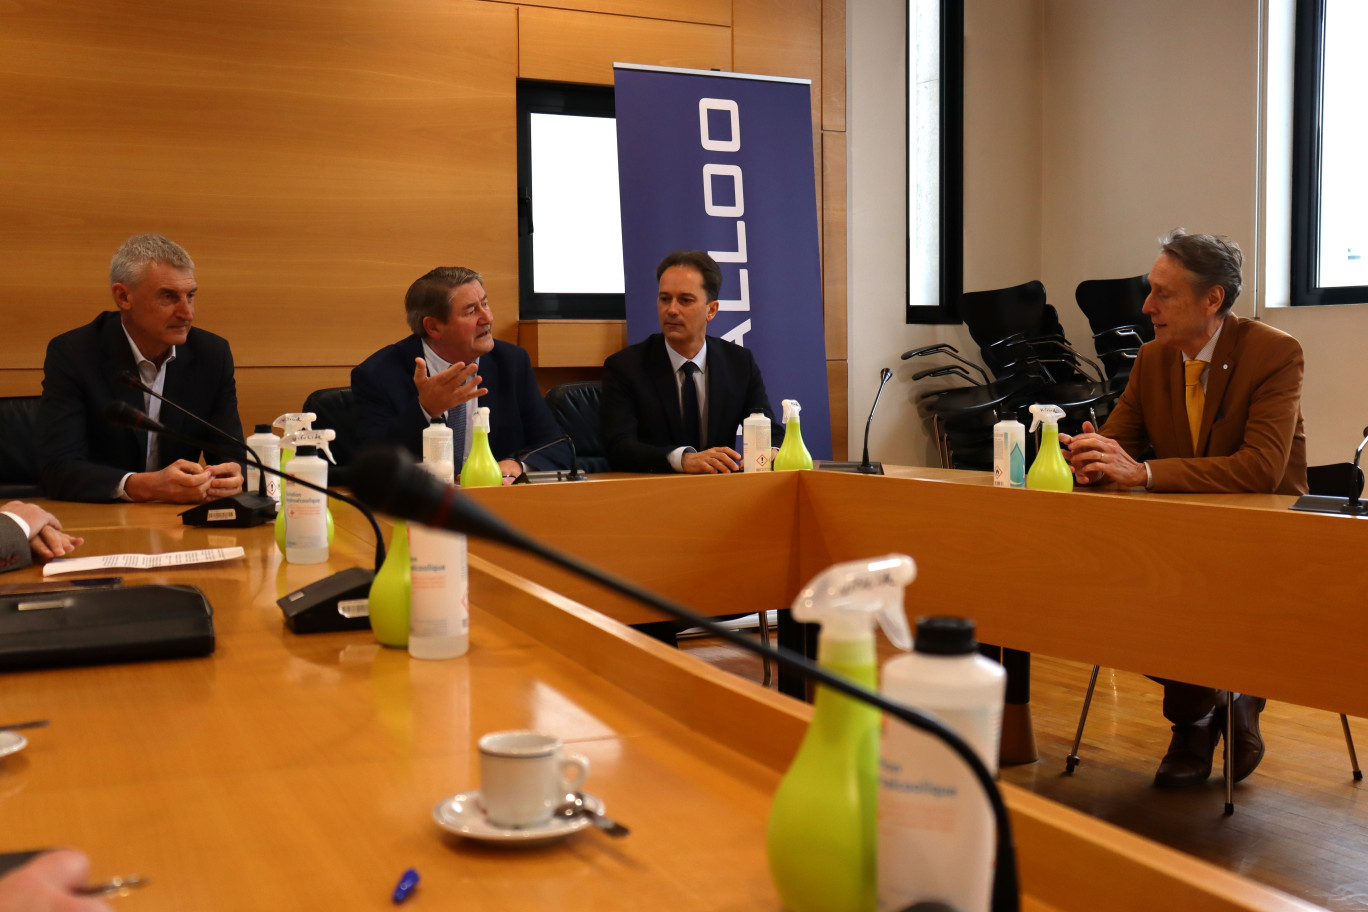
(723, 162)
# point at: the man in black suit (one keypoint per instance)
(152, 280)
(451, 360)
(673, 402)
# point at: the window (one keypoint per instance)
(1329, 168)
(935, 160)
(569, 220)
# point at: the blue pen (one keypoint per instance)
(404, 888)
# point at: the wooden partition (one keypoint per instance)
(315, 156)
(1237, 592)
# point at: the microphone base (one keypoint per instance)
(854, 468)
(550, 476)
(337, 602)
(1337, 506)
(241, 511)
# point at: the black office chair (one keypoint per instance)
(335, 408)
(19, 457)
(1120, 326)
(1343, 479)
(575, 407)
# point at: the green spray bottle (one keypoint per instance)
(1049, 472)
(823, 823)
(480, 469)
(792, 454)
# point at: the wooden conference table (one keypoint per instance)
(299, 772)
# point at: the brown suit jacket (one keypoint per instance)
(1251, 439)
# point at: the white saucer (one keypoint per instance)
(13, 743)
(464, 815)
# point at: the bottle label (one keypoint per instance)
(439, 595)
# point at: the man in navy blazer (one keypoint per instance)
(85, 457)
(644, 421)
(451, 360)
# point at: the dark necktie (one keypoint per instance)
(689, 407)
(456, 420)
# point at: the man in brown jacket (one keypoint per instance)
(1213, 405)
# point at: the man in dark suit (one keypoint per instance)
(1213, 404)
(673, 402)
(452, 360)
(28, 532)
(152, 280)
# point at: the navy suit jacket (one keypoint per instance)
(388, 411)
(14, 547)
(85, 456)
(641, 422)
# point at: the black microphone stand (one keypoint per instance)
(236, 511)
(549, 474)
(1349, 505)
(389, 481)
(864, 466)
(330, 604)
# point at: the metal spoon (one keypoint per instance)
(115, 886)
(575, 806)
(19, 726)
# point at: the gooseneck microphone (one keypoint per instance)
(864, 466)
(389, 480)
(241, 510)
(332, 603)
(527, 477)
(1344, 477)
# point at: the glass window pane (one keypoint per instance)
(1343, 249)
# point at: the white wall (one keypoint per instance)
(1002, 198)
(1092, 127)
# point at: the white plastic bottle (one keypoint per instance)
(266, 446)
(755, 443)
(438, 442)
(439, 595)
(936, 830)
(306, 522)
(1009, 454)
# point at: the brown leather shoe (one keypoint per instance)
(1188, 761)
(1247, 742)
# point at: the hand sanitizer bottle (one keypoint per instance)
(756, 453)
(1009, 454)
(936, 832)
(1049, 472)
(266, 446)
(823, 820)
(480, 469)
(439, 606)
(792, 454)
(306, 528)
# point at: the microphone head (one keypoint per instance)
(124, 415)
(884, 375)
(386, 479)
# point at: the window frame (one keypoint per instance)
(950, 260)
(1308, 83)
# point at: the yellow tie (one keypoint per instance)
(1196, 397)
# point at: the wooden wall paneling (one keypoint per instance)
(834, 293)
(571, 343)
(28, 382)
(314, 159)
(833, 65)
(709, 12)
(548, 377)
(838, 393)
(265, 392)
(581, 47)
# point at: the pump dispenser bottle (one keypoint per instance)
(438, 443)
(480, 469)
(822, 824)
(936, 832)
(318, 440)
(266, 446)
(306, 529)
(1049, 472)
(439, 606)
(792, 454)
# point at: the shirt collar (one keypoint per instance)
(435, 362)
(139, 358)
(677, 360)
(1210, 348)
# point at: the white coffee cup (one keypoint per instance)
(525, 775)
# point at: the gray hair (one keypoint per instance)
(430, 295)
(131, 259)
(1210, 259)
